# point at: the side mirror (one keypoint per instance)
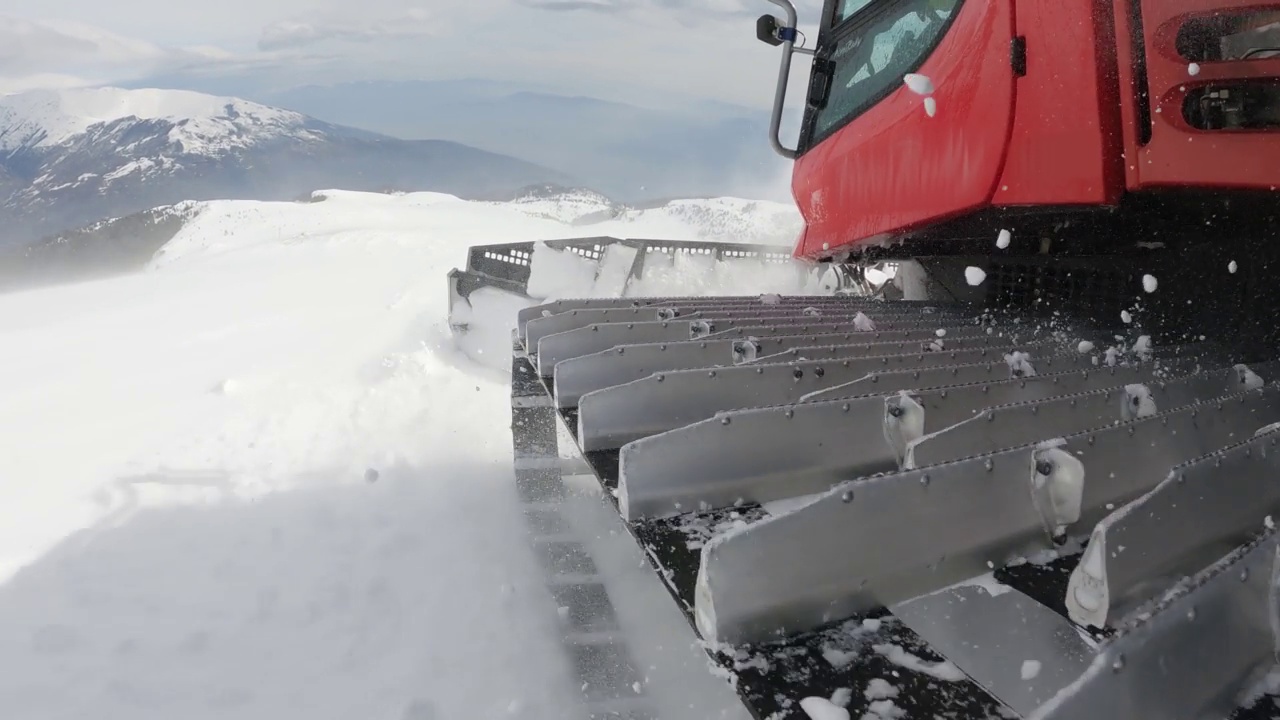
(767, 30)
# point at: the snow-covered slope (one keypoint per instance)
(258, 480)
(73, 157)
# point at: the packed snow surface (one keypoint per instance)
(259, 480)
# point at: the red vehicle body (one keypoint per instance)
(1063, 105)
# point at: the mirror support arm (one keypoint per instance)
(787, 33)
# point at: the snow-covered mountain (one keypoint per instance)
(547, 212)
(72, 157)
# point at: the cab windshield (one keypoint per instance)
(872, 55)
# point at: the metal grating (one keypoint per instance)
(1046, 286)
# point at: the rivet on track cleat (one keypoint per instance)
(1092, 440)
(798, 373)
(875, 378)
(819, 372)
(1130, 431)
(759, 371)
(1044, 467)
(1181, 478)
(1073, 403)
(1118, 664)
(595, 328)
(924, 480)
(991, 417)
(1191, 614)
(986, 389)
(711, 373)
(631, 326)
(1244, 575)
(944, 394)
(847, 496)
(989, 465)
(661, 378)
(845, 407)
(663, 348)
(790, 414)
(724, 420)
(845, 363)
(621, 350)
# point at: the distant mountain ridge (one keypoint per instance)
(630, 151)
(69, 158)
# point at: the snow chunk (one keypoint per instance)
(1149, 283)
(1126, 317)
(1004, 239)
(1057, 486)
(1030, 669)
(1193, 69)
(1085, 347)
(940, 332)
(1020, 364)
(975, 276)
(842, 697)
(771, 299)
(930, 106)
(1138, 402)
(904, 419)
(862, 323)
(818, 708)
(1232, 267)
(945, 670)
(838, 658)
(1142, 347)
(884, 710)
(919, 84)
(1248, 378)
(880, 689)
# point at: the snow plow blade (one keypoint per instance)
(915, 509)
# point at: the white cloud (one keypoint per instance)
(43, 54)
(414, 22)
(609, 48)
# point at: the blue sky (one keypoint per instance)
(614, 49)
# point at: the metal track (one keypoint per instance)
(993, 534)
